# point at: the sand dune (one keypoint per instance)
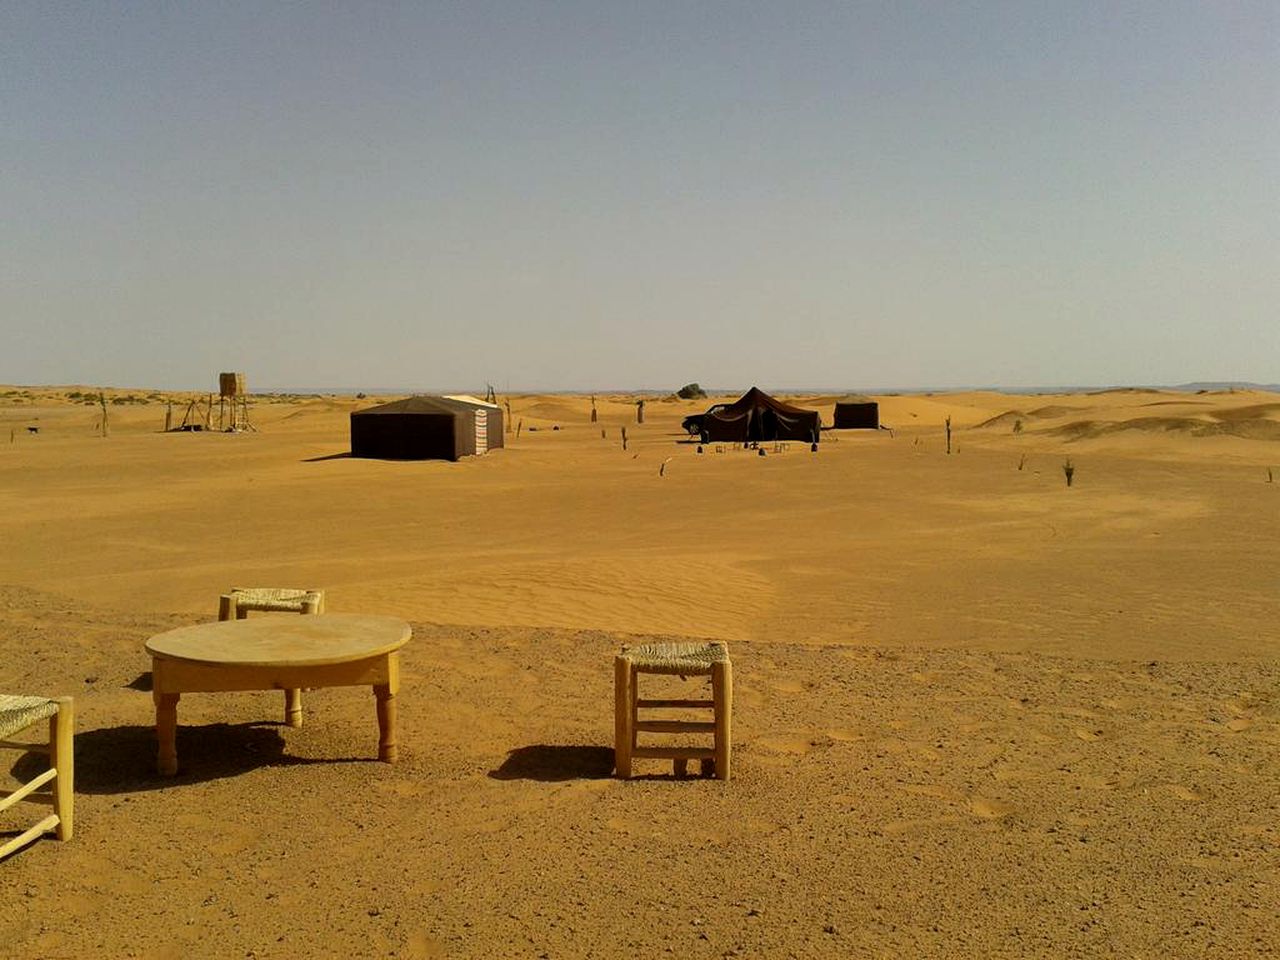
(979, 713)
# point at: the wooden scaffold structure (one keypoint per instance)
(233, 409)
(233, 404)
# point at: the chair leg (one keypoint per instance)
(722, 696)
(62, 758)
(622, 731)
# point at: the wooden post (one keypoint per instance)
(640, 411)
(208, 414)
(948, 435)
(722, 695)
(622, 700)
(593, 409)
(624, 438)
(519, 427)
(226, 607)
(62, 758)
(102, 401)
(508, 405)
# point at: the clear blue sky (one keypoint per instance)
(589, 195)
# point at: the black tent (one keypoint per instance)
(857, 413)
(419, 428)
(757, 416)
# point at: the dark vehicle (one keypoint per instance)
(692, 424)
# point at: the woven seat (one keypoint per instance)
(275, 599)
(17, 713)
(237, 604)
(679, 659)
(682, 660)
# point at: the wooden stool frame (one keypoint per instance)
(60, 749)
(312, 602)
(628, 723)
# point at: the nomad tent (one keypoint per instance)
(757, 416)
(857, 413)
(421, 428)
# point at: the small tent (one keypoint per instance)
(757, 416)
(857, 413)
(419, 428)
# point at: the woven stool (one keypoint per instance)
(683, 660)
(241, 600)
(17, 714)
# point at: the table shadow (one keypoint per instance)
(550, 763)
(122, 759)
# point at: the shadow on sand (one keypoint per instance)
(550, 763)
(328, 456)
(123, 759)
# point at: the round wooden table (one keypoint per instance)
(277, 653)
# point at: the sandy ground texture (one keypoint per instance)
(978, 713)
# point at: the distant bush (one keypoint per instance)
(691, 391)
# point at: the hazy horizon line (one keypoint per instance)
(1186, 387)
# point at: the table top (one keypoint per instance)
(283, 640)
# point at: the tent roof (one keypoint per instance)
(755, 397)
(436, 406)
(471, 401)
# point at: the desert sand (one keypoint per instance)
(978, 712)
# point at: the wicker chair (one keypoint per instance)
(237, 604)
(17, 714)
(683, 660)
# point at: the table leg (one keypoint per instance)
(293, 708)
(167, 732)
(388, 750)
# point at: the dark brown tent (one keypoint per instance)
(419, 428)
(857, 413)
(757, 416)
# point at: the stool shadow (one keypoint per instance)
(550, 763)
(122, 759)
